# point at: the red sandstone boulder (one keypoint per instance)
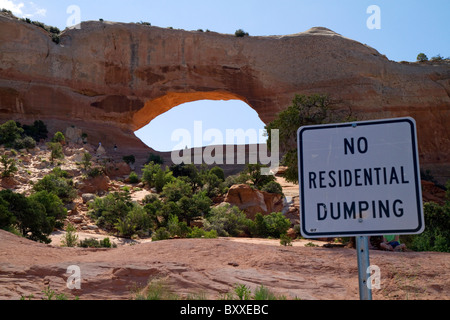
(253, 201)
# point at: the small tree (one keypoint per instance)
(9, 133)
(422, 57)
(59, 137)
(241, 33)
(56, 151)
(9, 166)
(70, 239)
(304, 110)
(86, 160)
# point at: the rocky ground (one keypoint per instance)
(212, 267)
(307, 270)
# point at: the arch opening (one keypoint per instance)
(202, 123)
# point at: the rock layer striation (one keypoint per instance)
(111, 79)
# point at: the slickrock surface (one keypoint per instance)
(213, 267)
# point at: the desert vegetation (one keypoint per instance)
(185, 201)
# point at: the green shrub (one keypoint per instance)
(197, 232)
(241, 33)
(9, 133)
(253, 174)
(177, 228)
(86, 160)
(136, 221)
(436, 236)
(27, 215)
(56, 150)
(9, 166)
(96, 172)
(37, 131)
(117, 211)
(155, 177)
(273, 187)
(422, 57)
(94, 243)
(273, 225)
(109, 209)
(161, 234)
(157, 159)
(218, 172)
(70, 239)
(58, 183)
(54, 207)
(133, 177)
(59, 137)
(227, 221)
(285, 240)
(175, 190)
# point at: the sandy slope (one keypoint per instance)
(214, 266)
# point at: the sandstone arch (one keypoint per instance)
(156, 107)
(112, 78)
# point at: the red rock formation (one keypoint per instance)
(254, 201)
(110, 79)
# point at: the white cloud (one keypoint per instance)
(13, 6)
(23, 9)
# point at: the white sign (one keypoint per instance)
(360, 179)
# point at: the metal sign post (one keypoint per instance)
(362, 251)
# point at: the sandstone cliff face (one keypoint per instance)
(110, 79)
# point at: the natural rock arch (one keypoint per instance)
(110, 79)
(152, 109)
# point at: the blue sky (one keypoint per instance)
(408, 27)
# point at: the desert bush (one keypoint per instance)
(157, 159)
(161, 234)
(136, 221)
(37, 131)
(422, 57)
(218, 172)
(155, 177)
(133, 177)
(117, 211)
(56, 151)
(70, 239)
(197, 232)
(273, 225)
(177, 228)
(285, 240)
(96, 172)
(27, 215)
(9, 133)
(273, 187)
(59, 137)
(253, 174)
(54, 207)
(436, 236)
(9, 166)
(175, 190)
(94, 243)
(227, 221)
(25, 143)
(241, 33)
(109, 209)
(86, 160)
(58, 183)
